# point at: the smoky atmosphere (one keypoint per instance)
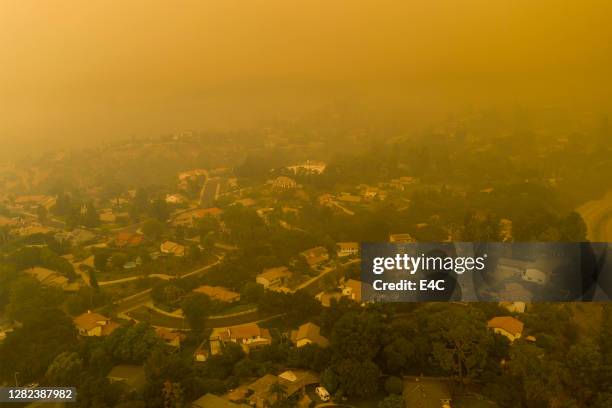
(307, 203)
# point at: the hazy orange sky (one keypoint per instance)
(76, 70)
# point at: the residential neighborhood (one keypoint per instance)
(237, 282)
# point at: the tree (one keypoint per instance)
(159, 209)
(460, 341)
(27, 298)
(31, 348)
(535, 371)
(119, 259)
(173, 394)
(65, 370)
(584, 362)
(357, 336)
(394, 385)
(353, 377)
(573, 228)
(196, 308)
(42, 214)
(153, 228)
(91, 217)
(279, 392)
(132, 344)
(101, 258)
(93, 280)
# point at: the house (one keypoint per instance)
(284, 183)
(349, 198)
(34, 201)
(507, 326)
(250, 336)
(192, 174)
(33, 229)
(257, 394)
(131, 376)
(274, 278)
(128, 239)
(8, 222)
(212, 401)
(172, 248)
(310, 167)
(347, 248)
(246, 202)
(308, 333)
(373, 193)
(326, 200)
(403, 238)
(315, 256)
(78, 236)
(94, 324)
(175, 199)
(107, 215)
(427, 392)
(173, 338)
(352, 289)
(513, 307)
(218, 293)
(326, 298)
(189, 218)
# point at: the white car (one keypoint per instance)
(322, 393)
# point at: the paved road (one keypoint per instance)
(597, 215)
(155, 318)
(163, 276)
(140, 299)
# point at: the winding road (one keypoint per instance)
(597, 215)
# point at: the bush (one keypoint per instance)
(394, 385)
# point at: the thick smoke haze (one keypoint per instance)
(75, 73)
